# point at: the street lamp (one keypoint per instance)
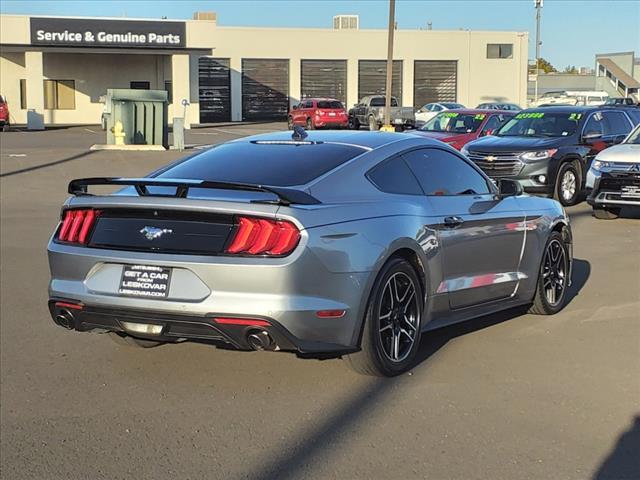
(387, 127)
(538, 4)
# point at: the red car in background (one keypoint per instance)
(459, 127)
(318, 113)
(4, 114)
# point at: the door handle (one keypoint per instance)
(452, 222)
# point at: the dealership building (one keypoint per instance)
(56, 70)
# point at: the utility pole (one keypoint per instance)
(538, 5)
(387, 102)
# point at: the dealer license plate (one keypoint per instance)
(630, 192)
(145, 281)
(332, 114)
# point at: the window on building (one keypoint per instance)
(140, 85)
(168, 86)
(499, 50)
(23, 94)
(59, 94)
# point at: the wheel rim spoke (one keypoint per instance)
(398, 317)
(553, 273)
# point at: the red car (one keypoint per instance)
(459, 127)
(4, 114)
(318, 113)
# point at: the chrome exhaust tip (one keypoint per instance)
(65, 319)
(260, 340)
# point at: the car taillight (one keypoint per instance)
(77, 225)
(261, 236)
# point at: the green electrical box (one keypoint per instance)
(142, 113)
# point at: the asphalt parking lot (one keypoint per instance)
(511, 396)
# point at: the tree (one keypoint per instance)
(570, 69)
(544, 66)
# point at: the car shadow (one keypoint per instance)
(623, 462)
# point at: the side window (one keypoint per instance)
(437, 108)
(595, 124)
(442, 173)
(617, 123)
(308, 104)
(393, 176)
(492, 124)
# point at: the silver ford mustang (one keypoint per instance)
(349, 244)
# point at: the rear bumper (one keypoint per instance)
(332, 123)
(288, 292)
(176, 328)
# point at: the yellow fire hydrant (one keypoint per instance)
(118, 133)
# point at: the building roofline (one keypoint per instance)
(239, 27)
(600, 55)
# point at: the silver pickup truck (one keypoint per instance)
(370, 111)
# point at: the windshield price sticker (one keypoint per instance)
(520, 116)
(449, 114)
(479, 116)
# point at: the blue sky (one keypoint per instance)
(572, 31)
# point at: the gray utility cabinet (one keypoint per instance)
(143, 114)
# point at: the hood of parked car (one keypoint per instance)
(626, 153)
(515, 144)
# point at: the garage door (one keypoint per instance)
(324, 78)
(434, 81)
(214, 82)
(372, 78)
(265, 89)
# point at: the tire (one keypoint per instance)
(129, 341)
(378, 345)
(568, 185)
(310, 124)
(290, 123)
(5, 127)
(373, 124)
(606, 213)
(354, 123)
(547, 276)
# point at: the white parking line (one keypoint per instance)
(89, 130)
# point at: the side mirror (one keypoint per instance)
(295, 107)
(509, 188)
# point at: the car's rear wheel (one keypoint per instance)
(126, 340)
(568, 185)
(391, 333)
(373, 123)
(606, 213)
(354, 123)
(553, 278)
(310, 124)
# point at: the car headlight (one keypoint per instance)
(599, 165)
(538, 155)
(464, 150)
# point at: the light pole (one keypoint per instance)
(387, 101)
(538, 4)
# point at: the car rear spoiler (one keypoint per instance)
(286, 196)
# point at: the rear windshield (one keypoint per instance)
(541, 124)
(329, 104)
(454, 122)
(452, 106)
(380, 102)
(272, 164)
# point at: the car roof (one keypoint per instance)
(365, 140)
(485, 111)
(320, 99)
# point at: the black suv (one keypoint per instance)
(549, 150)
